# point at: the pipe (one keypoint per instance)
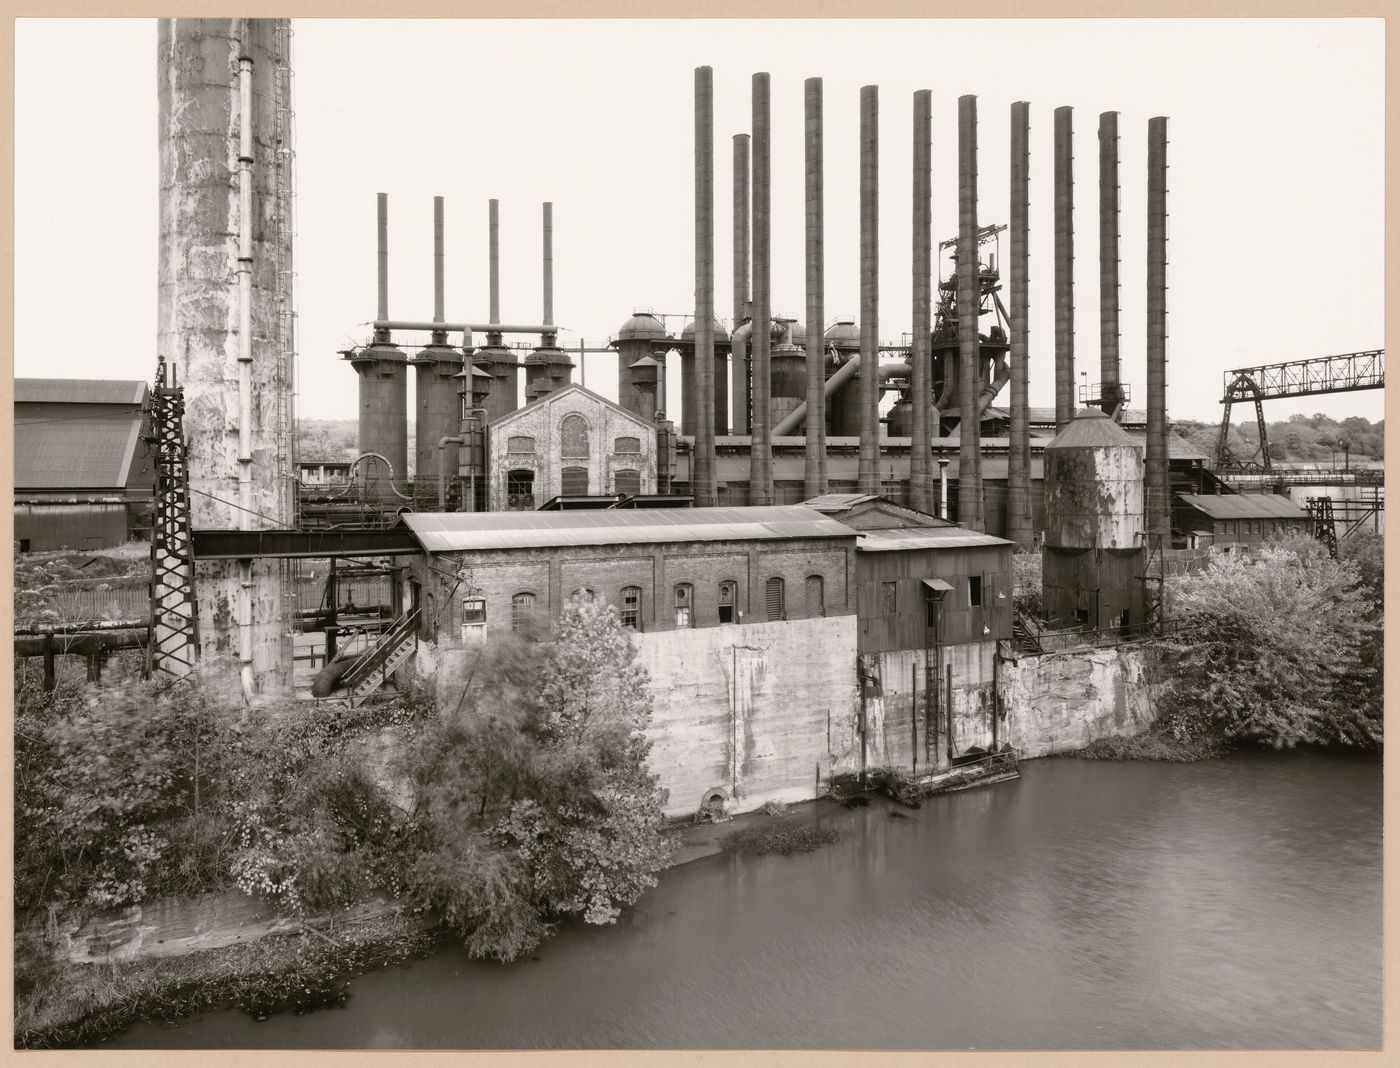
(839, 377)
(761, 448)
(1110, 392)
(548, 262)
(920, 386)
(245, 353)
(1018, 480)
(969, 303)
(1064, 267)
(494, 328)
(814, 470)
(442, 444)
(1157, 487)
(942, 488)
(383, 239)
(703, 477)
(868, 468)
(739, 351)
(437, 269)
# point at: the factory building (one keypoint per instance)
(83, 471)
(1239, 520)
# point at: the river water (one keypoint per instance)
(1233, 903)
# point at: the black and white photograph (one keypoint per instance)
(679, 534)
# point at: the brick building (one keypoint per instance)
(1229, 520)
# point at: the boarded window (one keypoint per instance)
(632, 607)
(522, 611)
(726, 602)
(629, 482)
(974, 591)
(520, 490)
(573, 435)
(816, 597)
(889, 598)
(574, 481)
(773, 597)
(685, 606)
(521, 444)
(628, 446)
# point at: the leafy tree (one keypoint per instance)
(1274, 651)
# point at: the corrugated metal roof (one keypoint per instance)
(1244, 505)
(838, 502)
(884, 541)
(1090, 428)
(466, 531)
(81, 454)
(79, 391)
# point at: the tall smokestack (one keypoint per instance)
(703, 477)
(869, 466)
(548, 319)
(969, 304)
(438, 301)
(738, 346)
(383, 235)
(1018, 483)
(920, 485)
(494, 232)
(1110, 392)
(814, 481)
(761, 448)
(1157, 487)
(1064, 267)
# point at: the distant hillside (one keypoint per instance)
(1299, 439)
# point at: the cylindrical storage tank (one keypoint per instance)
(199, 128)
(546, 369)
(843, 407)
(438, 416)
(787, 372)
(1092, 564)
(690, 389)
(383, 371)
(638, 337)
(505, 370)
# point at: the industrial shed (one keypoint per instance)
(83, 474)
(1240, 519)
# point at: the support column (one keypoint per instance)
(761, 449)
(1064, 267)
(703, 478)
(814, 481)
(920, 379)
(869, 465)
(1157, 486)
(1019, 519)
(969, 303)
(739, 348)
(1110, 392)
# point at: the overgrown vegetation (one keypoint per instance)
(784, 840)
(1313, 439)
(46, 581)
(531, 797)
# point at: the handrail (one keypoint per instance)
(381, 652)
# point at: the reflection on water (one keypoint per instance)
(1229, 904)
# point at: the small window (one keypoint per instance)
(684, 606)
(574, 481)
(24, 545)
(773, 595)
(522, 611)
(628, 482)
(816, 598)
(974, 591)
(473, 619)
(628, 446)
(889, 598)
(726, 602)
(1081, 616)
(632, 607)
(521, 444)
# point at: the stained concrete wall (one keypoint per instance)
(1058, 702)
(754, 712)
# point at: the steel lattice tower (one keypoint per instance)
(174, 644)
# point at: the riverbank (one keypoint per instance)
(64, 1005)
(1150, 745)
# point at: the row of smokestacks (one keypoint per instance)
(778, 389)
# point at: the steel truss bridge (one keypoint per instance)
(1345, 373)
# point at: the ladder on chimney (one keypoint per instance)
(284, 277)
(174, 644)
(375, 666)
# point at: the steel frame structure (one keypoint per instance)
(174, 645)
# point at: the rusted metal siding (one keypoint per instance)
(74, 526)
(958, 620)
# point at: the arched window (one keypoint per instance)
(627, 446)
(522, 611)
(685, 606)
(816, 597)
(629, 482)
(632, 607)
(726, 602)
(573, 481)
(773, 595)
(520, 490)
(573, 435)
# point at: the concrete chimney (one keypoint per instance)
(869, 465)
(814, 472)
(1157, 487)
(548, 319)
(1110, 392)
(739, 347)
(969, 304)
(504, 364)
(703, 476)
(920, 384)
(383, 250)
(1064, 267)
(439, 337)
(761, 449)
(1018, 506)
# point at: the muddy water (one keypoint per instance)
(1227, 904)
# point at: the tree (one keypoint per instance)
(1274, 650)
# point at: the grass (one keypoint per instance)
(1150, 745)
(784, 841)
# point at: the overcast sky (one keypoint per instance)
(1276, 181)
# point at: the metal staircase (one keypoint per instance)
(1026, 632)
(375, 666)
